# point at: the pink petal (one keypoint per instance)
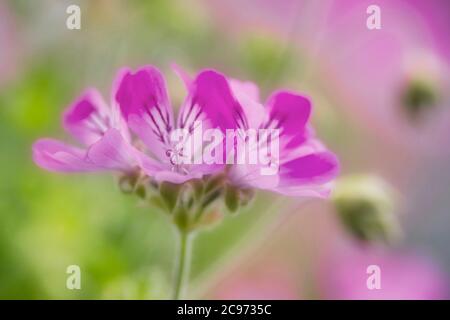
(247, 93)
(210, 100)
(87, 118)
(117, 117)
(176, 177)
(54, 155)
(310, 191)
(314, 168)
(246, 88)
(112, 152)
(289, 111)
(144, 104)
(149, 165)
(249, 175)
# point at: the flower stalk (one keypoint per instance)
(182, 264)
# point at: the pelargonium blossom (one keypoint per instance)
(145, 106)
(135, 132)
(96, 126)
(135, 136)
(305, 166)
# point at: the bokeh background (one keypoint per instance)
(381, 102)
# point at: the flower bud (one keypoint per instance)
(418, 98)
(426, 77)
(365, 206)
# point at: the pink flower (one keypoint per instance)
(144, 104)
(96, 126)
(263, 281)
(392, 81)
(136, 133)
(304, 167)
(344, 275)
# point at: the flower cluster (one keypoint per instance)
(134, 136)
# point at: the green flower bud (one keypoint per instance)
(418, 98)
(365, 205)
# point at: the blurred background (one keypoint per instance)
(381, 102)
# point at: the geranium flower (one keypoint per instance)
(96, 126)
(304, 166)
(139, 137)
(140, 103)
(145, 106)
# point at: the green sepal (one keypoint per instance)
(181, 218)
(127, 183)
(169, 193)
(232, 198)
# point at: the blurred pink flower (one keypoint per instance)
(272, 282)
(344, 275)
(393, 81)
(384, 78)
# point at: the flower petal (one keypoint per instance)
(210, 100)
(144, 104)
(112, 152)
(247, 93)
(314, 168)
(289, 112)
(175, 177)
(246, 88)
(87, 118)
(54, 155)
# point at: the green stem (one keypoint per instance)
(182, 263)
